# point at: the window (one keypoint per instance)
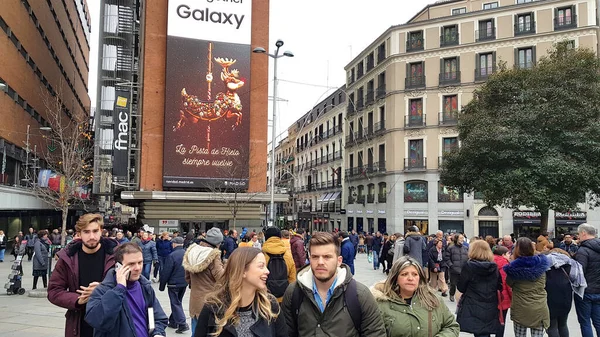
(457, 11)
(525, 57)
(565, 18)
(415, 116)
(449, 144)
(486, 31)
(449, 36)
(415, 41)
(415, 191)
(370, 61)
(415, 75)
(490, 5)
(415, 153)
(571, 44)
(371, 193)
(382, 192)
(524, 1)
(449, 70)
(381, 53)
(524, 24)
(449, 109)
(485, 65)
(447, 194)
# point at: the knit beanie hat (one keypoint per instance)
(214, 236)
(272, 231)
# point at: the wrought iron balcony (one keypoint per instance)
(414, 82)
(379, 126)
(450, 78)
(415, 121)
(382, 198)
(448, 118)
(449, 39)
(565, 22)
(524, 28)
(415, 44)
(370, 96)
(370, 198)
(415, 164)
(381, 91)
(486, 34)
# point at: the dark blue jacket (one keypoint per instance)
(228, 246)
(172, 273)
(108, 313)
(348, 254)
(354, 239)
(123, 240)
(377, 244)
(149, 251)
(163, 247)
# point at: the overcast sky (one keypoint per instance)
(323, 35)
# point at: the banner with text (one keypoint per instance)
(121, 134)
(207, 98)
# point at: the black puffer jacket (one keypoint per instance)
(589, 257)
(478, 311)
(457, 257)
(560, 293)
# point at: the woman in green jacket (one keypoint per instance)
(526, 275)
(409, 307)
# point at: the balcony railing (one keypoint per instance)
(368, 131)
(524, 28)
(482, 74)
(370, 198)
(565, 22)
(415, 121)
(448, 118)
(486, 34)
(413, 82)
(360, 71)
(375, 168)
(415, 164)
(380, 55)
(370, 96)
(414, 44)
(350, 200)
(360, 199)
(450, 78)
(449, 39)
(350, 109)
(382, 198)
(370, 63)
(379, 126)
(381, 91)
(360, 103)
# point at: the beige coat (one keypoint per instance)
(203, 271)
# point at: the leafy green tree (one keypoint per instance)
(531, 137)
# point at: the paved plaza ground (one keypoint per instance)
(26, 316)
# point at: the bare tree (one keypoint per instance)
(67, 151)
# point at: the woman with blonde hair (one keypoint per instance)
(409, 307)
(479, 282)
(241, 305)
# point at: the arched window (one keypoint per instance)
(488, 211)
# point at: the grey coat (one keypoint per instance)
(149, 251)
(40, 261)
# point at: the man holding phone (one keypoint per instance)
(125, 304)
(81, 266)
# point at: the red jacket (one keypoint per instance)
(506, 290)
(64, 281)
(298, 252)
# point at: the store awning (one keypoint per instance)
(327, 197)
(322, 197)
(334, 196)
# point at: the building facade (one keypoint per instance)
(406, 92)
(45, 53)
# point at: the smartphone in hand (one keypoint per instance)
(118, 266)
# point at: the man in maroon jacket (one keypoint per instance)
(297, 247)
(81, 266)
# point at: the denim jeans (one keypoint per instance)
(2, 254)
(194, 323)
(146, 270)
(375, 260)
(588, 308)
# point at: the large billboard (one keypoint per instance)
(207, 99)
(121, 134)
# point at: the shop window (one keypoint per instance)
(415, 191)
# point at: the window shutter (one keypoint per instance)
(441, 68)
(516, 25)
(517, 58)
(574, 15)
(407, 74)
(494, 62)
(493, 27)
(533, 21)
(533, 55)
(555, 16)
(458, 63)
(477, 64)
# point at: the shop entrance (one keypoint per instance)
(423, 225)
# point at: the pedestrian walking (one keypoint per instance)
(376, 246)
(229, 244)
(40, 258)
(327, 283)
(55, 237)
(560, 291)
(438, 263)
(242, 306)
(354, 239)
(3, 244)
(588, 255)
(415, 244)
(164, 247)
(16, 246)
(125, 303)
(81, 266)
(526, 275)
(501, 258)
(203, 271)
(347, 248)
(150, 254)
(409, 307)
(458, 255)
(479, 283)
(172, 275)
(383, 256)
(279, 262)
(298, 250)
(30, 238)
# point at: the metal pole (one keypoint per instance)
(273, 136)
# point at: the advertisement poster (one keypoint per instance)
(207, 99)
(121, 134)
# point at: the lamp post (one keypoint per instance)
(275, 56)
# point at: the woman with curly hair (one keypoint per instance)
(409, 307)
(241, 306)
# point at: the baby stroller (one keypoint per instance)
(13, 286)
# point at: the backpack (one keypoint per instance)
(350, 301)
(277, 282)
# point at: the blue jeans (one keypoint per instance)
(588, 307)
(177, 314)
(2, 254)
(375, 260)
(194, 323)
(146, 270)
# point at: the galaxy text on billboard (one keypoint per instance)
(185, 12)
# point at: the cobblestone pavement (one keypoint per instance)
(26, 316)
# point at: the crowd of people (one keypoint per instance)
(294, 283)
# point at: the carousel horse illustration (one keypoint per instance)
(227, 105)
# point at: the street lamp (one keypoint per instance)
(275, 56)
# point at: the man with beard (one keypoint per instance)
(81, 266)
(327, 283)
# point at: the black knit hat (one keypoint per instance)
(272, 231)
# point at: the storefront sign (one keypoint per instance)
(350, 211)
(527, 214)
(570, 218)
(416, 212)
(359, 211)
(451, 213)
(369, 211)
(168, 223)
(380, 211)
(527, 218)
(121, 133)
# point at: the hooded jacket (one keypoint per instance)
(457, 257)
(527, 277)
(402, 319)
(414, 245)
(275, 246)
(203, 272)
(298, 252)
(41, 249)
(108, 312)
(64, 281)
(478, 311)
(588, 255)
(335, 320)
(506, 290)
